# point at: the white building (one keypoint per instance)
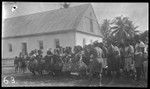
(71, 26)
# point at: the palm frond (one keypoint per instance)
(114, 32)
(114, 27)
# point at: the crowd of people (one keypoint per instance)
(110, 60)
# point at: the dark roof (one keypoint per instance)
(44, 22)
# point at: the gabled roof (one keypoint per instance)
(44, 22)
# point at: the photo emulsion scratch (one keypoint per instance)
(48, 44)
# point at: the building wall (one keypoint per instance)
(88, 38)
(66, 39)
(84, 24)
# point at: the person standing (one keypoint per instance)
(139, 60)
(16, 64)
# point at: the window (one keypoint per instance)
(91, 23)
(10, 47)
(24, 47)
(41, 45)
(84, 41)
(57, 44)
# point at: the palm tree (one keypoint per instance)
(123, 29)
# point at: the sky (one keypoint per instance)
(137, 12)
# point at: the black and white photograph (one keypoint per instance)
(87, 44)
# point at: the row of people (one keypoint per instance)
(117, 57)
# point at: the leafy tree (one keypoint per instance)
(105, 29)
(144, 36)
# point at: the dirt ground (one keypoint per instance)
(27, 79)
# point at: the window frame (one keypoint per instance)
(91, 23)
(41, 44)
(57, 43)
(91, 26)
(24, 49)
(10, 47)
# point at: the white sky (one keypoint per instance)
(137, 12)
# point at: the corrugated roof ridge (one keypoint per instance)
(47, 11)
(82, 8)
